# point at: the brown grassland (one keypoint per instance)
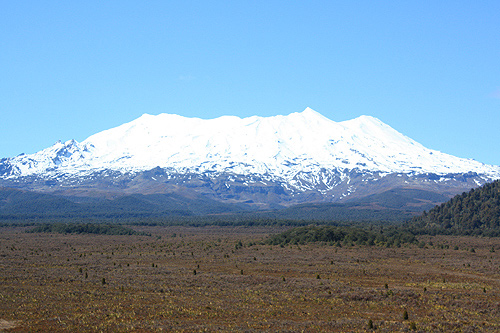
(184, 279)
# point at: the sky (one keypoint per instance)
(429, 69)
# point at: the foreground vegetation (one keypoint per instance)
(224, 279)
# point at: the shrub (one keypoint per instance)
(405, 315)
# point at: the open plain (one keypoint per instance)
(185, 279)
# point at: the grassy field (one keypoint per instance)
(217, 279)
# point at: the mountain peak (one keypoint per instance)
(309, 116)
(308, 112)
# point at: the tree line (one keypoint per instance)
(344, 235)
(87, 228)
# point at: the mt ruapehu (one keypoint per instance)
(262, 161)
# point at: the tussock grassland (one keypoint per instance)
(223, 279)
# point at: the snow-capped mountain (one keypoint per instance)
(302, 155)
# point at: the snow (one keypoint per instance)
(280, 146)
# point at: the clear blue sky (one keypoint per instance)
(430, 69)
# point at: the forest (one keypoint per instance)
(476, 212)
(84, 228)
(347, 236)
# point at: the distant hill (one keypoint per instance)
(476, 212)
(390, 206)
(401, 199)
(25, 205)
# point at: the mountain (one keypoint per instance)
(262, 161)
(474, 212)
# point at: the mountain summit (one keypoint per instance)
(300, 157)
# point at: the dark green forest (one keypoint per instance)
(87, 228)
(476, 212)
(344, 235)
